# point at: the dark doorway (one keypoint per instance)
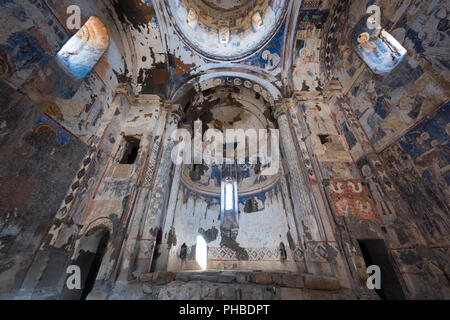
(131, 150)
(156, 251)
(91, 251)
(375, 253)
(95, 266)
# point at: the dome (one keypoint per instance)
(226, 30)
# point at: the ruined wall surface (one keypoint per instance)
(263, 220)
(396, 129)
(257, 246)
(387, 107)
(306, 74)
(146, 68)
(49, 122)
(38, 159)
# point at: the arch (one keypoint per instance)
(207, 80)
(82, 52)
(99, 223)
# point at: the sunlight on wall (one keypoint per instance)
(201, 252)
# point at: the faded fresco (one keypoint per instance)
(86, 144)
(220, 32)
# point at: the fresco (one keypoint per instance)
(388, 106)
(352, 198)
(308, 41)
(419, 163)
(425, 31)
(269, 58)
(239, 35)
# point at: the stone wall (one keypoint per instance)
(52, 126)
(396, 129)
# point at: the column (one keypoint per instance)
(303, 208)
(143, 196)
(151, 228)
(167, 227)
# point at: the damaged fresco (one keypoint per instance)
(87, 138)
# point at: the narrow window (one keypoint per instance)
(228, 197)
(131, 150)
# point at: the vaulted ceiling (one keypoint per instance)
(179, 46)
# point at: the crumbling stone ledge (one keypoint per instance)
(279, 279)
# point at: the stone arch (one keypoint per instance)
(210, 79)
(99, 223)
(82, 52)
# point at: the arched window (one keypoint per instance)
(377, 48)
(229, 197)
(82, 52)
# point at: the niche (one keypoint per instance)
(324, 138)
(131, 150)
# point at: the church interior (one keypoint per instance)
(353, 92)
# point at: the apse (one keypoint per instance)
(219, 202)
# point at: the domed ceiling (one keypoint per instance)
(226, 29)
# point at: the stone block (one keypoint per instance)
(147, 288)
(318, 295)
(183, 277)
(243, 278)
(291, 294)
(199, 277)
(223, 278)
(289, 280)
(321, 283)
(146, 277)
(162, 278)
(262, 278)
(226, 293)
